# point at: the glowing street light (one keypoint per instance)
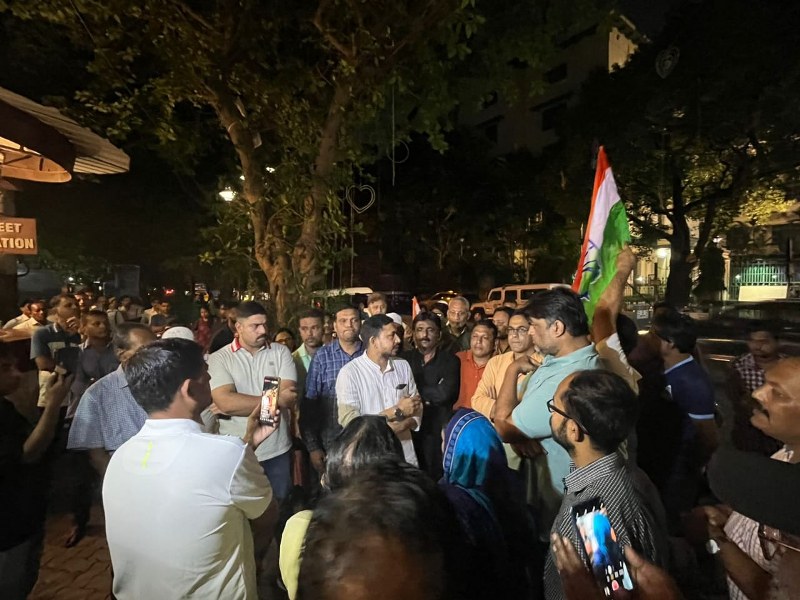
(227, 194)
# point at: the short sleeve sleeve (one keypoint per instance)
(347, 396)
(286, 367)
(86, 431)
(218, 370)
(39, 343)
(250, 489)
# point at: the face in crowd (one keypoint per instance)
(311, 331)
(500, 319)
(778, 410)
(387, 343)
(457, 313)
(426, 336)
(481, 342)
(519, 339)
(347, 325)
(253, 331)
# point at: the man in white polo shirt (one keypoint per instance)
(237, 379)
(177, 501)
(376, 383)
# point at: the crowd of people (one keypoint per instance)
(448, 456)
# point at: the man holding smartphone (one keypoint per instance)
(237, 381)
(591, 414)
(48, 341)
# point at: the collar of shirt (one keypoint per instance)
(579, 479)
(236, 346)
(337, 347)
(170, 426)
(685, 361)
(376, 366)
(580, 354)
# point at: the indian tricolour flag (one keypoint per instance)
(606, 234)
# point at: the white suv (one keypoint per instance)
(518, 294)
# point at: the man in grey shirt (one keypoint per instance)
(237, 378)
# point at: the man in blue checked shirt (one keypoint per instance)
(319, 422)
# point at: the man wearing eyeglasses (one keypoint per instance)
(591, 414)
(456, 333)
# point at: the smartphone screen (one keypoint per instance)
(269, 400)
(606, 559)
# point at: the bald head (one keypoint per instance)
(778, 410)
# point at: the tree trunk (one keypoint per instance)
(679, 282)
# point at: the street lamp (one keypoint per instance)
(227, 194)
(662, 253)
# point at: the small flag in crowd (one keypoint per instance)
(414, 308)
(606, 234)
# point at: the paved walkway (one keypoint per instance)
(79, 573)
(84, 571)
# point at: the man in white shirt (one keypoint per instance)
(376, 383)
(177, 501)
(237, 380)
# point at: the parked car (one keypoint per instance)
(724, 336)
(516, 294)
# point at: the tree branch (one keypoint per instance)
(192, 15)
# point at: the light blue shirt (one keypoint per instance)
(532, 418)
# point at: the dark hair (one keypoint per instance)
(477, 310)
(559, 304)
(158, 321)
(604, 405)
(372, 327)
(225, 303)
(312, 313)
(770, 327)
(156, 371)
(366, 440)
(427, 316)
(505, 309)
(121, 340)
(245, 310)
(391, 501)
(520, 312)
(345, 307)
(93, 313)
(628, 333)
(676, 328)
(285, 330)
(488, 324)
(56, 300)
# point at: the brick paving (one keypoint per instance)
(83, 572)
(79, 573)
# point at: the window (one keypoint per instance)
(510, 296)
(556, 74)
(494, 296)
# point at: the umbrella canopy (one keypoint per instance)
(38, 143)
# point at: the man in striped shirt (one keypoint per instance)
(375, 383)
(592, 413)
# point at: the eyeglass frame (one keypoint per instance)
(519, 331)
(552, 408)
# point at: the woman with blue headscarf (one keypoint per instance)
(489, 506)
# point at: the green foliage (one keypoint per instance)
(717, 136)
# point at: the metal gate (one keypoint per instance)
(756, 271)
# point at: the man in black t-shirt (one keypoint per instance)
(23, 480)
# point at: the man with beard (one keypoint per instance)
(747, 374)
(455, 336)
(437, 375)
(237, 379)
(319, 421)
(591, 414)
(501, 318)
(375, 383)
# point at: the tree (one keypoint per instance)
(712, 135)
(298, 88)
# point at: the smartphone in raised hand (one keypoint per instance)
(606, 559)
